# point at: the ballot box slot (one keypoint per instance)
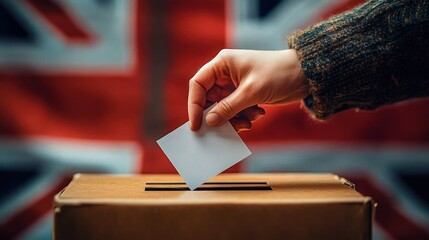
(210, 186)
(208, 183)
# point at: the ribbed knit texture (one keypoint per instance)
(373, 55)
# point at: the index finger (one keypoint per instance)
(199, 84)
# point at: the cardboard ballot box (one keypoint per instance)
(230, 206)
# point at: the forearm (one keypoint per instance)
(371, 56)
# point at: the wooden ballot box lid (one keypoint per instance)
(229, 206)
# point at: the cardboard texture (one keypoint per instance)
(230, 206)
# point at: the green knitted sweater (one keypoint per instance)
(373, 55)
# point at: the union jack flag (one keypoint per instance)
(89, 85)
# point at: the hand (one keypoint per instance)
(239, 80)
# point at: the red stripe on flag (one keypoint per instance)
(196, 33)
(402, 123)
(26, 217)
(61, 21)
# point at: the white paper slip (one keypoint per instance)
(199, 156)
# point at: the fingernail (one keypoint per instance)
(243, 129)
(259, 116)
(213, 119)
(193, 128)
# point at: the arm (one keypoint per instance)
(374, 55)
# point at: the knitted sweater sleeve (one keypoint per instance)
(373, 55)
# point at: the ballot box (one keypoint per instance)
(229, 206)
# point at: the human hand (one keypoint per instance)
(239, 80)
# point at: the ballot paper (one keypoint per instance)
(199, 156)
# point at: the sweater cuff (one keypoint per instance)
(330, 58)
(342, 59)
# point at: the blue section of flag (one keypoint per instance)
(417, 182)
(13, 180)
(12, 28)
(266, 6)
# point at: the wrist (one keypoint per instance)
(300, 81)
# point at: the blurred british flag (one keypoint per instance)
(89, 85)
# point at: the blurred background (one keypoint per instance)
(89, 85)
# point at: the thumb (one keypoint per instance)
(228, 107)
